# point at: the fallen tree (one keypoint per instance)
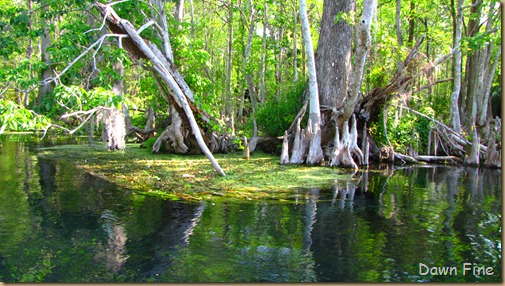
(187, 120)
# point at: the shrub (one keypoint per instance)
(408, 129)
(275, 116)
(148, 144)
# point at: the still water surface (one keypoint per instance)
(59, 224)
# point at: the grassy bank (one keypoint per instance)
(191, 177)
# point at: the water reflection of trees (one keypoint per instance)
(381, 222)
(374, 226)
(377, 226)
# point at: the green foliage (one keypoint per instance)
(17, 118)
(404, 128)
(138, 119)
(193, 60)
(349, 17)
(149, 143)
(76, 98)
(276, 116)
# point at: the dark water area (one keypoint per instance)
(433, 224)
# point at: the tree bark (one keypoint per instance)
(263, 54)
(114, 132)
(228, 99)
(285, 149)
(295, 46)
(488, 72)
(249, 76)
(333, 60)
(412, 22)
(46, 85)
(315, 155)
(179, 11)
(161, 18)
(363, 42)
(280, 56)
(299, 145)
(473, 70)
(455, 116)
(487, 84)
(472, 153)
(247, 152)
(398, 26)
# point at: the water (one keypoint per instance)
(58, 224)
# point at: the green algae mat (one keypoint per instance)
(191, 177)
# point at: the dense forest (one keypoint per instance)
(398, 81)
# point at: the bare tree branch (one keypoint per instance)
(5, 89)
(91, 112)
(98, 42)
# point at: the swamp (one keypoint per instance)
(250, 141)
(63, 221)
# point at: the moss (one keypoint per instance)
(191, 177)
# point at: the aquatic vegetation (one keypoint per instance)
(190, 177)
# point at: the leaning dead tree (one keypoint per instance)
(188, 128)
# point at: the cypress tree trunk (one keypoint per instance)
(333, 61)
(455, 117)
(315, 155)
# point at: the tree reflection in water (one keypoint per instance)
(58, 224)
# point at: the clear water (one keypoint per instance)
(58, 224)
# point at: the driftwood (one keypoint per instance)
(439, 159)
(457, 148)
(405, 158)
(178, 90)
